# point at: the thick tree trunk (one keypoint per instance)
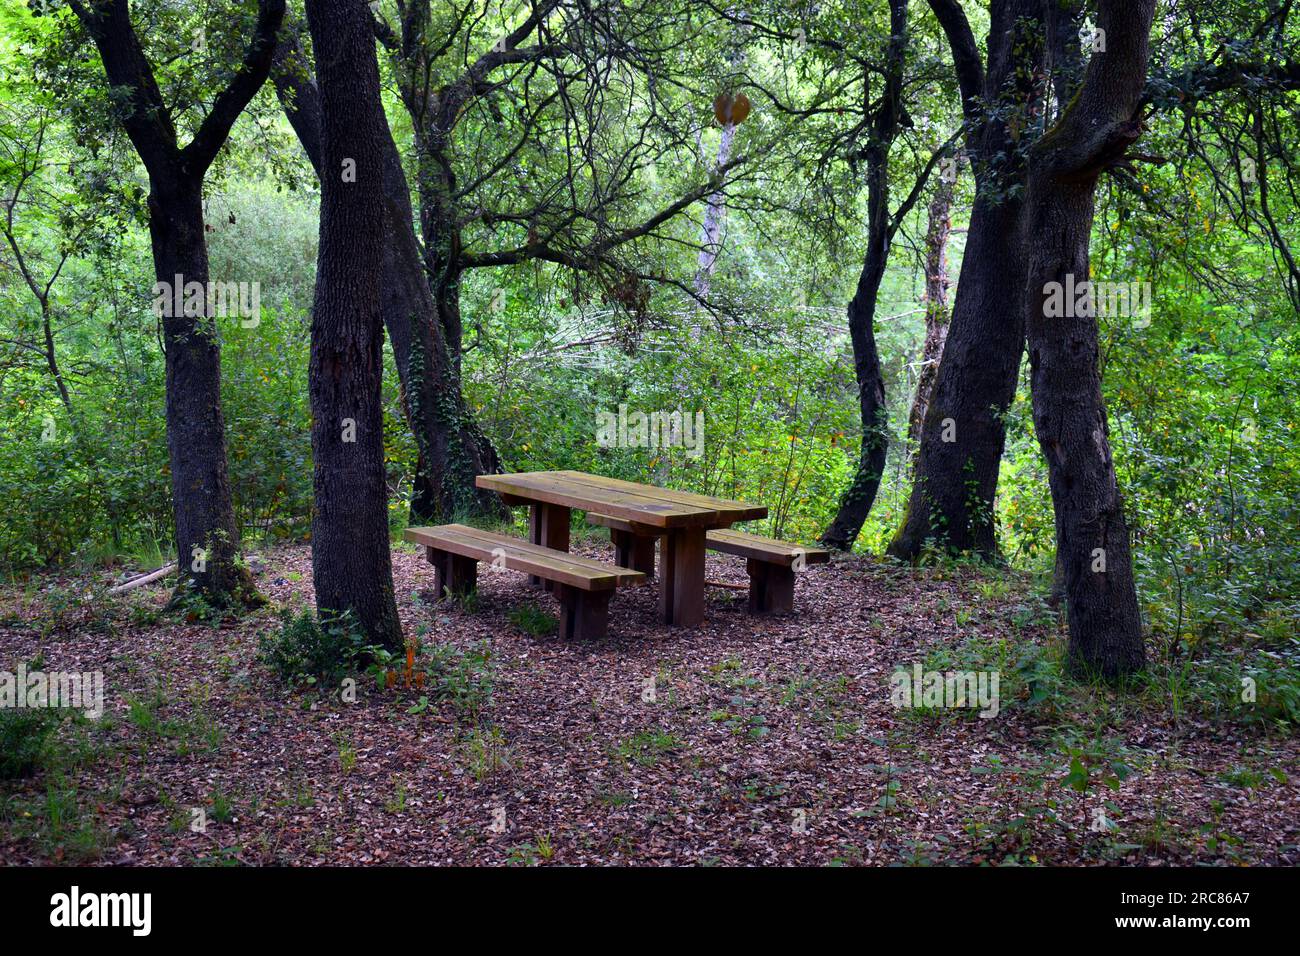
(962, 435)
(955, 479)
(855, 503)
(1069, 411)
(1070, 418)
(938, 229)
(452, 447)
(207, 535)
(351, 559)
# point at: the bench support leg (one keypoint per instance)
(681, 579)
(548, 525)
(771, 588)
(452, 573)
(634, 551)
(584, 615)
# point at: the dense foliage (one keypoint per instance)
(1202, 398)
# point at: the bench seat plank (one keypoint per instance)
(746, 545)
(517, 555)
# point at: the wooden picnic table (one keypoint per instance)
(681, 517)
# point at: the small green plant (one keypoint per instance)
(889, 799)
(347, 753)
(485, 752)
(1247, 778)
(1218, 840)
(298, 794)
(531, 854)
(740, 718)
(646, 747)
(226, 856)
(613, 798)
(223, 810)
(179, 820)
(62, 825)
(199, 733)
(23, 736)
(306, 651)
(397, 802)
(463, 678)
(1100, 760)
(532, 620)
(193, 607)
(142, 712)
(544, 848)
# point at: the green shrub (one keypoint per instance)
(532, 620)
(1259, 687)
(306, 651)
(22, 739)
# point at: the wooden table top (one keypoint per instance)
(645, 504)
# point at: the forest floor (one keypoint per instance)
(760, 741)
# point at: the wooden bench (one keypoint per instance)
(582, 586)
(772, 564)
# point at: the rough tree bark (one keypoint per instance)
(207, 537)
(1092, 134)
(452, 447)
(962, 437)
(855, 503)
(351, 560)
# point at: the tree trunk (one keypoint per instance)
(711, 245)
(351, 559)
(442, 245)
(955, 479)
(962, 435)
(207, 535)
(938, 228)
(856, 502)
(452, 447)
(1069, 411)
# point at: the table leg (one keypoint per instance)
(681, 578)
(634, 551)
(643, 556)
(548, 525)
